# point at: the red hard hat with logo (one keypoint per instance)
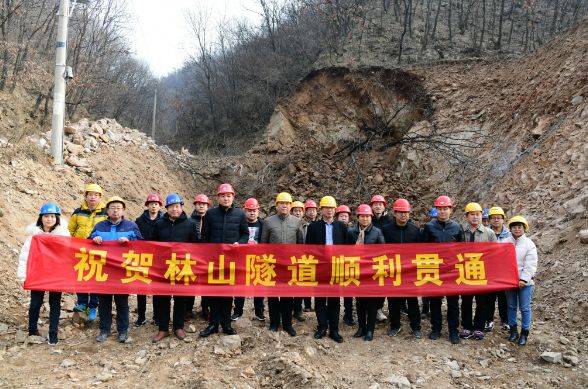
(364, 209)
(342, 208)
(202, 198)
(378, 199)
(401, 205)
(225, 188)
(309, 204)
(154, 198)
(251, 203)
(443, 201)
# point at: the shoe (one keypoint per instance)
(505, 326)
(102, 337)
(273, 328)
(80, 308)
(92, 313)
(180, 334)
(369, 336)
(380, 316)
(290, 331)
(466, 334)
(523, 337)
(359, 333)
(320, 333)
(417, 334)
(123, 336)
(52, 339)
(211, 329)
(140, 321)
(160, 335)
(394, 331)
(434, 335)
(514, 334)
(336, 337)
(404, 311)
(348, 321)
(298, 316)
(34, 333)
(489, 326)
(236, 316)
(454, 338)
(478, 335)
(229, 331)
(259, 317)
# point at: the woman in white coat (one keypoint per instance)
(47, 223)
(520, 298)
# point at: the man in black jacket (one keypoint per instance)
(403, 230)
(146, 223)
(327, 231)
(174, 226)
(223, 224)
(443, 230)
(201, 204)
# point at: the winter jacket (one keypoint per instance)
(199, 220)
(480, 234)
(32, 230)
(373, 235)
(526, 258)
(282, 229)
(381, 221)
(183, 229)
(316, 233)
(110, 231)
(225, 225)
(255, 230)
(146, 225)
(436, 231)
(83, 220)
(504, 235)
(409, 233)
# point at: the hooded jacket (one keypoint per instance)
(32, 230)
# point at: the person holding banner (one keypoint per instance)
(367, 307)
(310, 215)
(402, 230)
(223, 224)
(520, 299)
(497, 222)
(48, 222)
(82, 221)
(442, 230)
(327, 231)
(174, 226)
(115, 228)
(146, 223)
(201, 205)
(475, 231)
(282, 228)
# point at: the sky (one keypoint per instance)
(161, 35)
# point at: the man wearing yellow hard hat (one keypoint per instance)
(82, 221)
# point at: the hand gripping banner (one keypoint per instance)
(157, 268)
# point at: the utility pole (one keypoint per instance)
(153, 114)
(59, 87)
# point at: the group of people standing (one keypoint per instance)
(294, 222)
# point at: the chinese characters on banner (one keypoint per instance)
(141, 267)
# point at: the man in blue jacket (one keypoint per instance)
(115, 228)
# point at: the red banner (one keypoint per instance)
(157, 268)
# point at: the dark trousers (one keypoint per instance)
(426, 305)
(142, 307)
(37, 297)
(327, 311)
(348, 307)
(89, 300)
(502, 306)
(189, 303)
(258, 305)
(298, 301)
(220, 311)
(395, 305)
(204, 303)
(367, 309)
(122, 312)
(280, 310)
(163, 305)
(452, 314)
(479, 319)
